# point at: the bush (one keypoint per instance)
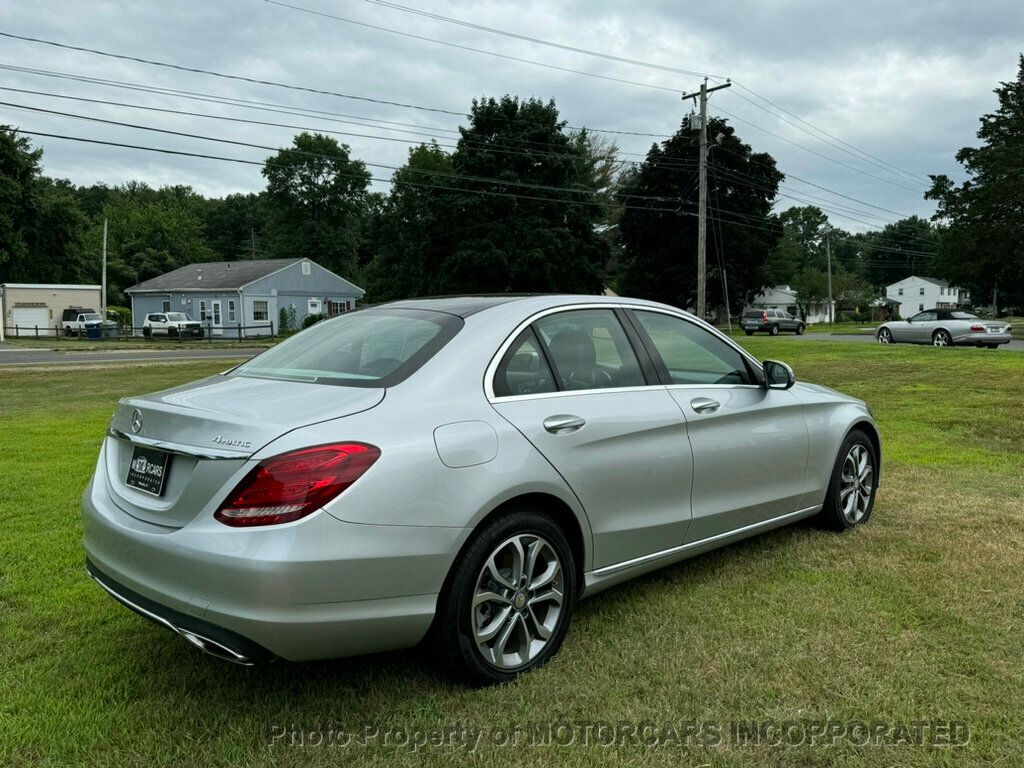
(312, 320)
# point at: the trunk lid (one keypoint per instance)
(209, 429)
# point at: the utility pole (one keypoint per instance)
(702, 202)
(828, 258)
(103, 277)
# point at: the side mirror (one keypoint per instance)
(778, 375)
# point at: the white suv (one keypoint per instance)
(171, 324)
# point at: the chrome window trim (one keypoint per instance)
(492, 367)
(615, 567)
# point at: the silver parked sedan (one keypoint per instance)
(946, 328)
(459, 470)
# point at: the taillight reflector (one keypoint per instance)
(977, 329)
(290, 486)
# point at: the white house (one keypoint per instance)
(784, 297)
(915, 294)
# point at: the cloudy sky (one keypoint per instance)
(889, 90)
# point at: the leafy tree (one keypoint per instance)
(659, 226)
(234, 226)
(511, 209)
(983, 248)
(19, 173)
(901, 249)
(316, 202)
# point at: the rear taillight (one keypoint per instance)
(290, 486)
(977, 329)
(764, 317)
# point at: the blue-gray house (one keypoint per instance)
(245, 298)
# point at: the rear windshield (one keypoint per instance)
(369, 348)
(754, 313)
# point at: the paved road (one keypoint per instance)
(19, 356)
(1013, 346)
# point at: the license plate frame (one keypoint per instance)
(148, 470)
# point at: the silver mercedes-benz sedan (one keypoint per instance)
(946, 328)
(459, 471)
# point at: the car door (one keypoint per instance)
(921, 326)
(576, 386)
(750, 443)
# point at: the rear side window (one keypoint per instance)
(589, 350)
(524, 369)
(691, 354)
(370, 348)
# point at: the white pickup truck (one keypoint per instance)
(79, 323)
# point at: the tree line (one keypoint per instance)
(521, 203)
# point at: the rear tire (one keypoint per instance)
(774, 330)
(851, 489)
(147, 332)
(508, 600)
(942, 338)
(800, 329)
(749, 333)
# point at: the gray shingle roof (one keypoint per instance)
(933, 281)
(213, 275)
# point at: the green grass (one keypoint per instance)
(916, 616)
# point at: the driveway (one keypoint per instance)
(1014, 346)
(20, 356)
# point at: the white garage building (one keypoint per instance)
(35, 309)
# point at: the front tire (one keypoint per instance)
(852, 487)
(885, 336)
(508, 600)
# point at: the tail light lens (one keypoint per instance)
(764, 317)
(290, 486)
(977, 329)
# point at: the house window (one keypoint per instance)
(260, 311)
(336, 307)
(231, 310)
(305, 267)
(920, 307)
(167, 305)
(921, 291)
(202, 311)
(901, 291)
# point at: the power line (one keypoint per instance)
(863, 155)
(237, 142)
(212, 73)
(469, 48)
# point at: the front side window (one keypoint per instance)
(691, 354)
(524, 370)
(372, 348)
(924, 317)
(589, 350)
(260, 311)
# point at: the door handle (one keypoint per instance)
(563, 424)
(704, 405)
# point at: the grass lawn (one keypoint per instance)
(917, 616)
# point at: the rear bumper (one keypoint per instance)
(983, 339)
(314, 589)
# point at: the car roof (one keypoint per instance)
(464, 306)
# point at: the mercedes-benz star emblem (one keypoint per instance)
(136, 421)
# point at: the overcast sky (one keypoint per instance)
(903, 81)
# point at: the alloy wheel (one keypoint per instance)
(885, 336)
(517, 601)
(856, 483)
(941, 339)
